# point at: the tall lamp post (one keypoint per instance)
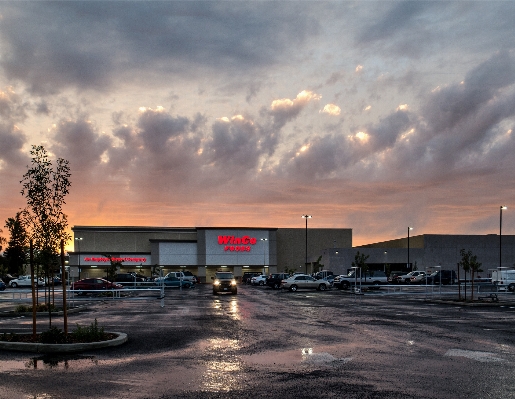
(306, 217)
(409, 228)
(503, 207)
(78, 239)
(264, 253)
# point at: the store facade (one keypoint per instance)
(200, 250)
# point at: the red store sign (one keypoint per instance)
(105, 260)
(237, 244)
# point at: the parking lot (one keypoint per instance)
(270, 343)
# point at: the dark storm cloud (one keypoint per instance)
(80, 143)
(12, 139)
(87, 44)
(234, 146)
(396, 19)
(451, 105)
(157, 129)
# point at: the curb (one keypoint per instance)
(63, 348)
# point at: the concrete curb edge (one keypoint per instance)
(63, 348)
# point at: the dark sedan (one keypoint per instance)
(94, 284)
(173, 281)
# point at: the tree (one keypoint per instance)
(16, 253)
(45, 189)
(469, 263)
(360, 261)
(112, 268)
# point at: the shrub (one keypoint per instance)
(53, 336)
(92, 333)
(23, 308)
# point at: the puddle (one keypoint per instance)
(47, 362)
(304, 356)
(474, 355)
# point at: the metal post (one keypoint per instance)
(78, 239)
(500, 234)
(306, 262)
(409, 228)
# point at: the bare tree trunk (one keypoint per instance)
(63, 282)
(33, 290)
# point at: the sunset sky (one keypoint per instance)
(367, 115)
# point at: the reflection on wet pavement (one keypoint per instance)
(304, 356)
(74, 362)
(224, 372)
(474, 355)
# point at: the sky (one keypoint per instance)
(370, 115)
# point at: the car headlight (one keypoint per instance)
(216, 282)
(233, 282)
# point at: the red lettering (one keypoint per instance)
(253, 241)
(223, 240)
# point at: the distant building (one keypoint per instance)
(425, 252)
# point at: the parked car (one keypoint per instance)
(25, 281)
(392, 278)
(189, 276)
(247, 276)
(7, 278)
(406, 278)
(418, 279)
(94, 284)
(301, 281)
(224, 282)
(443, 277)
(274, 280)
(128, 279)
(323, 273)
(173, 281)
(170, 274)
(258, 280)
(373, 278)
(2, 285)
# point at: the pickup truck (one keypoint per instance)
(373, 278)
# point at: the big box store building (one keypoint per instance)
(200, 250)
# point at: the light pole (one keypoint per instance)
(500, 234)
(264, 253)
(409, 228)
(306, 217)
(78, 239)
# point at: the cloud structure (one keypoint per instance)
(373, 116)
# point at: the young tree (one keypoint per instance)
(469, 263)
(360, 261)
(45, 189)
(113, 267)
(16, 253)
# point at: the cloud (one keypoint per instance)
(284, 110)
(94, 45)
(331, 109)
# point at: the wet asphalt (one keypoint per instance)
(264, 343)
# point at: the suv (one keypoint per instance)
(274, 280)
(374, 278)
(224, 282)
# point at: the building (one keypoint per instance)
(200, 250)
(425, 252)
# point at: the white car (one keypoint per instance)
(25, 281)
(258, 280)
(300, 281)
